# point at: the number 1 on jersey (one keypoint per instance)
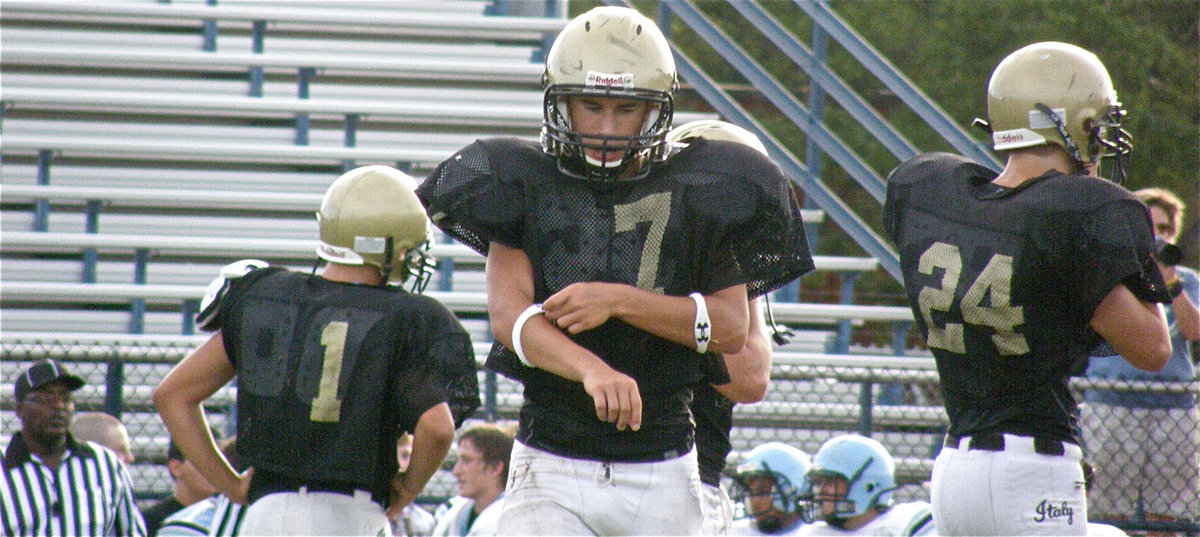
(994, 281)
(326, 407)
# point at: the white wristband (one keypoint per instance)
(533, 309)
(702, 326)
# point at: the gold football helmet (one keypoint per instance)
(1057, 93)
(608, 52)
(715, 130)
(371, 215)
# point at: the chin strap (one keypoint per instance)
(1069, 142)
(386, 269)
(782, 335)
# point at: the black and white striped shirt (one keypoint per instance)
(227, 520)
(90, 494)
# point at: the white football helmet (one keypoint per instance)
(714, 129)
(782, 469)
(864, 464)
(608, 52)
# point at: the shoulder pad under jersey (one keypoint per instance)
(211, 304)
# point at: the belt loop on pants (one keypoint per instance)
(997, 442)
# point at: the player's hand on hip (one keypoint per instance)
(616, 396)
(581, 306)
(401, 496)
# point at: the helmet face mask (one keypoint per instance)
(861, 467)
(608, 52)
(777, 471)
(372, 216)
(1059, 94)
(840, 507)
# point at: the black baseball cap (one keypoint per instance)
(42, 373)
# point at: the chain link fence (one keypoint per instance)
(1145, 460)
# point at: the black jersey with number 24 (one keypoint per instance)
(1004, 283)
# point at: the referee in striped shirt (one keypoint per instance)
(53, 484)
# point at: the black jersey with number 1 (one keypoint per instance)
(715, 215)
(1004, 282)
(329, 374)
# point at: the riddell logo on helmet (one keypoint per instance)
(609, 80)
(1009, 137)
(1016, 138)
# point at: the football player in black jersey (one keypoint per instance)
(331, 369)
(1014, 277)
(749, 368)
(615, 275)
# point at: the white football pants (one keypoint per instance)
(315, 513)
(1012, 492)
(552, 495)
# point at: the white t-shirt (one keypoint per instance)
(905, 519)
(452, 518)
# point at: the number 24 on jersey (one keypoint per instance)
(995, 280)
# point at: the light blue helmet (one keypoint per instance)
(865, 465)
(787, 467)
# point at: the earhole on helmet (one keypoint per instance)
(587, 26)
(639, 30)
(870, 487)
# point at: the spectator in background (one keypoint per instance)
(770, 485)
(105, 430)
(214, 515)
(44, 492)
(852, 480)
(414, 521)
(190, 487)
(1163, 473)
(482, 474)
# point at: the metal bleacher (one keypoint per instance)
(146, 144)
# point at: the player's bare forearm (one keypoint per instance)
(583, 306)
(178, 398)
(1136, 329)
(749, 368)
(431, 441)
(510, 292)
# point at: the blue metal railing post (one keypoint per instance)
(812, 153)
(114, 383)
(190, 308)
(865, 408)
(41, 207)
(490, 395)
(91, 257)
(210, 31)
(259, 28)
(349, 137)
(846, 296)
(892, 393)
(304, 81)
